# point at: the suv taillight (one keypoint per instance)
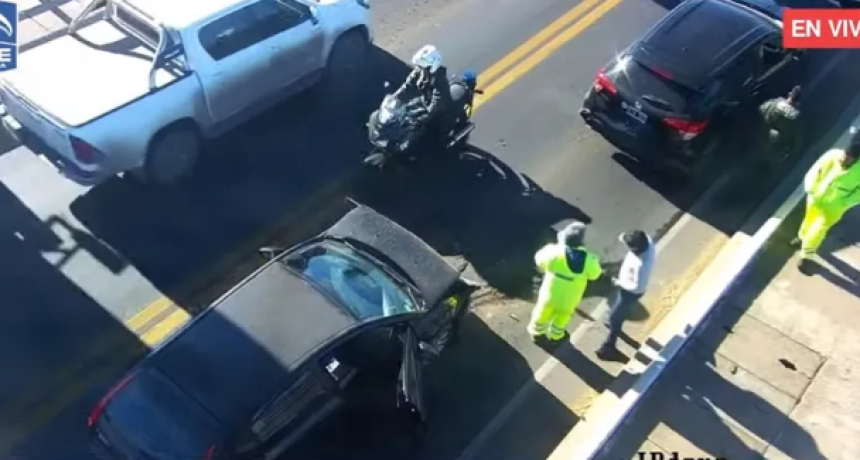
(687, 129)
(97, 412)
(84, 152)
(211, 453)
(603, 84)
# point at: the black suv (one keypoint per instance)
(298, 360)
(702, 60)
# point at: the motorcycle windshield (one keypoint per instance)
(390, 110)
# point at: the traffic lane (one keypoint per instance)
(121, 186)
(120, 287)
(486, 347)
(545, 414)
(491, 377)
(65, 435)
(30, 315)
(170, 236)
(534, 166)
(547, 168)
(81, 330)
(119, 207)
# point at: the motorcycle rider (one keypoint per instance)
(429, 78)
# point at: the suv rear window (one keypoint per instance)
(151, 418)
(685, 91)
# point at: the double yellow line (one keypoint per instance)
(161, 318)
(539, 47)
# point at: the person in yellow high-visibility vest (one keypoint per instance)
(567, 267)
(832, 187)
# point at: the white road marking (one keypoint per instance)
(507, 411)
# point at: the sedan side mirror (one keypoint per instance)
(269, 252)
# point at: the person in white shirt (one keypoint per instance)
(631, 283)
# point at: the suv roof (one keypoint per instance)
(700, 37)
(772, 9)
(246, 346)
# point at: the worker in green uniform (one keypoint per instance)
(832, 187)
(567, 267)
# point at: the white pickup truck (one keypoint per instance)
(139, 85)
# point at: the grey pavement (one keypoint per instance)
(774, 374)
(111, 250)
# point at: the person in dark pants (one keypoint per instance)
(631, 283)
(780, 116)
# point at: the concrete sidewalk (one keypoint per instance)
(775, 374)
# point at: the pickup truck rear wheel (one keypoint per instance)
(172, 155)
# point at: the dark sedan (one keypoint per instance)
(659, 99)
(297, 359)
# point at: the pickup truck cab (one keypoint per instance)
(139, 85)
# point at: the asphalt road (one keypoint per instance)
(87, 259)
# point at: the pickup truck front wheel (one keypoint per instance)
(345, 71)
(172, 155)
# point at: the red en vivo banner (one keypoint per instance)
(821, 28)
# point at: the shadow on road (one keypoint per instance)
(295, 159)
(476, 207)
(54, 334)
(697, 404)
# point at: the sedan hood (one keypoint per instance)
(425, 267)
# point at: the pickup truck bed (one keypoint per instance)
(77, 78)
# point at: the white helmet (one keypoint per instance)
(428, 57)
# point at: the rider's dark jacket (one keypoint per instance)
(433, 88)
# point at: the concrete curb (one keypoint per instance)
(594, 435)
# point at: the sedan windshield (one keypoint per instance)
(354, 280)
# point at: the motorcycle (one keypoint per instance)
(396, 128)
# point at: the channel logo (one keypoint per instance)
(8, 35)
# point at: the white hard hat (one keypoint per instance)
(428, 57)
(572, 235)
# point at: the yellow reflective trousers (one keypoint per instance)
(817, 221)
(567, 272)
(831, 191)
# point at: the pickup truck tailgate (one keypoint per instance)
(53, 136)
(75, 79)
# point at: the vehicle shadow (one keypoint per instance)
(469, 386)
(706, 405)
(55, 334)
(475, 207)
(740, 140)
(264, 179)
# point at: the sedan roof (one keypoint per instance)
(248, 344)
(425, 267)
(699, 37)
